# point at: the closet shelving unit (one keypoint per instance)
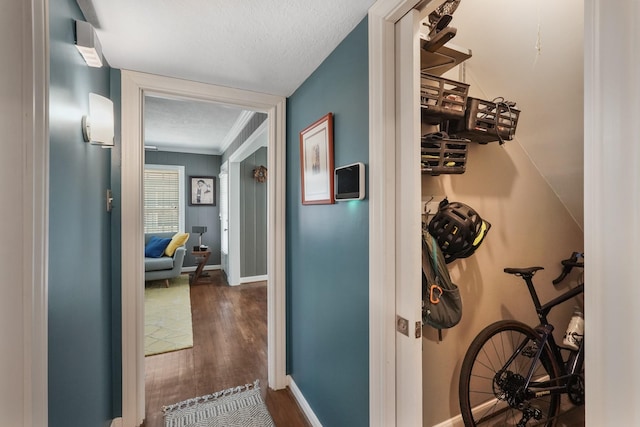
(441, 99)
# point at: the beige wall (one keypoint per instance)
(530, 226)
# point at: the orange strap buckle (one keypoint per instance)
(433, 298)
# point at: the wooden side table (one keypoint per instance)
(202, 257)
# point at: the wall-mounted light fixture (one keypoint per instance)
(97, 127)
(88, 44)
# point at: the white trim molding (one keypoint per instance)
(303, 404)
(235, 130)
(34, 146)
(251, 279)
(208, 267)
(259, 138)
(382, 352)
(611, 207)
(135, 86)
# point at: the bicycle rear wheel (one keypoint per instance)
(493, 372)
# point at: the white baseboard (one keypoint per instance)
(302, 402)
(451, 422)
(250, 279)
(116, 422)
(206, 268)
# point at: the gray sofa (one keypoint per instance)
(165, 267)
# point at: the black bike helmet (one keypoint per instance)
(458, 229)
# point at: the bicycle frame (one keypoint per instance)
(545, 331)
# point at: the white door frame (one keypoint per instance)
(382, 211)
(134, 87)
(256, 140)
(27, 139)
(224, 218)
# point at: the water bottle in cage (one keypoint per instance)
(575, 331)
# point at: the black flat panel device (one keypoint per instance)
(349, 182)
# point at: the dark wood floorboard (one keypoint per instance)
(229, 349)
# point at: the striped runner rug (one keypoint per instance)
(240, 406)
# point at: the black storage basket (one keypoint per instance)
(442, 99)
(488, 121)
(443, 155)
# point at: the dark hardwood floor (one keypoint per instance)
(229, 349)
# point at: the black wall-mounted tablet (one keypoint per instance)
(349, 182)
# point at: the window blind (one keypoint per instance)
(161, 200)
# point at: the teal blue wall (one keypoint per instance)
(327, 247)
(80, 290)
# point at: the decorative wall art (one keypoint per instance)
(202, 191)
(316, 162)
(260, 174)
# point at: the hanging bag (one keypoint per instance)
(441, 302)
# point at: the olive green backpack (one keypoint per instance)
(441, 303)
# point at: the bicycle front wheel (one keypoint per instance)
(493, 375)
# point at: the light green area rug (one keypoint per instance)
(167, 316)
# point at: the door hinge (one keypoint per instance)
(418, 329)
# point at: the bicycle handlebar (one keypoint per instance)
(567, 266)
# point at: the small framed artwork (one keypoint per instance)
(316, 162)
(202, 191)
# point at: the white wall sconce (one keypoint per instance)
(88, 44)
(97, 127)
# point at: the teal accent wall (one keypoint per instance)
(253, 217)
(196, 165)
(80, 287)
(327, 246)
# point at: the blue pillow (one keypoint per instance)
(155, 246)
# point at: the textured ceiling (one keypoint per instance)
(190, 126)
(268, 46)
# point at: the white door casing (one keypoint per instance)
(256, 140)
(383, 16)
(134, 87)
(408, 222)
(224, 217)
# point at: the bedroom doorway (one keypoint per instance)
(134, 86)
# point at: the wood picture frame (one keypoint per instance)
(202, 190)
(316, 162)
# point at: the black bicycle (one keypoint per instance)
(513, 374)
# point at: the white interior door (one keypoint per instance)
(224, 220)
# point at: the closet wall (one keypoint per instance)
(511, 186)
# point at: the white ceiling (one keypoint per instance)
(191, 126)
(268, 46)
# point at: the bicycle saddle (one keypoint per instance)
(528, 271)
